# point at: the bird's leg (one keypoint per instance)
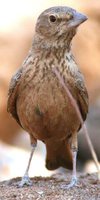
(74, 147)
(25, 179)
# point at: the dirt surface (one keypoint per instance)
(52, 188)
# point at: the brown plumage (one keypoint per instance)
(37, 99)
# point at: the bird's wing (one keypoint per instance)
(12, 95)
(82, 98)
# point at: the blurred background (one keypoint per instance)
(17, 22)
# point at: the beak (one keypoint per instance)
(78, 19)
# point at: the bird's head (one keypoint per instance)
(57, 21)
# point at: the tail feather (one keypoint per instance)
(58, 155)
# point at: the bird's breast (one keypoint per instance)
(44, 109)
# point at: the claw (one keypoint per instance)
(25, 181)
(71, 184)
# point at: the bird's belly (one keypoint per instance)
(45, 111)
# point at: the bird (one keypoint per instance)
(38, 101)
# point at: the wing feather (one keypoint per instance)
(12, 95)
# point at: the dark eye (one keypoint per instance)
(52, 18)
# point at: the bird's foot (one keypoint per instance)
(25, 181)
(71, 184)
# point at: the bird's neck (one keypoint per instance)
(56, 42)
(56, 52)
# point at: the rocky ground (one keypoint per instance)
(52, 188)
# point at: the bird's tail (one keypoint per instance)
(58, 155)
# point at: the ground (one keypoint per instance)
(52, 188)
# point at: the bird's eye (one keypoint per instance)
(52, 18)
